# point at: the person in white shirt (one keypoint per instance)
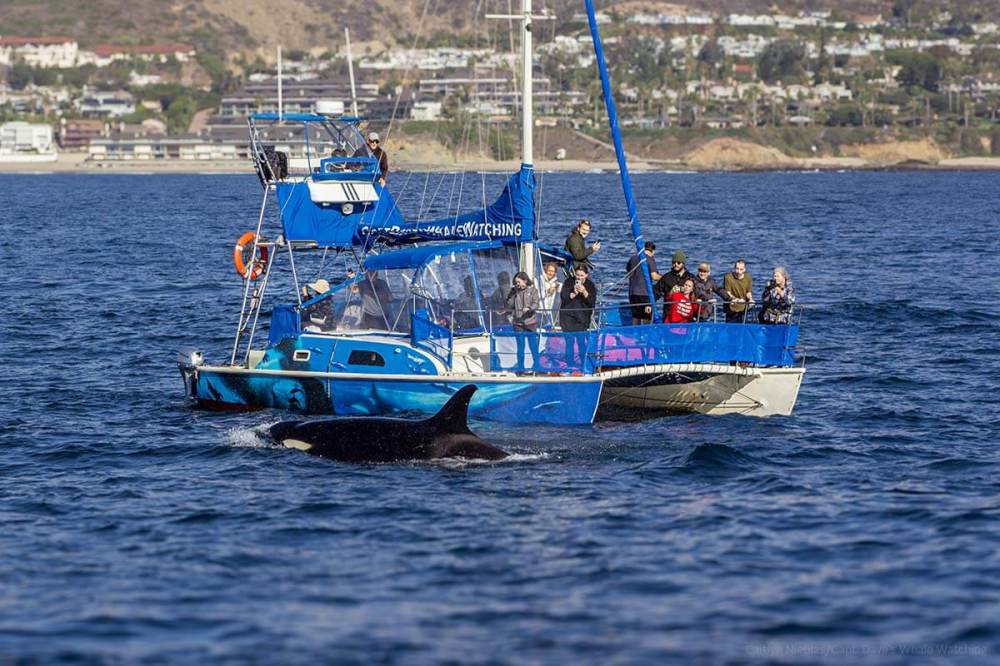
(550, 287)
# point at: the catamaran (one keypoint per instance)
(422, 314)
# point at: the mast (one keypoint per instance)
(526, 259)
(616, 136)
(350, 71)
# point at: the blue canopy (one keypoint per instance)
(329, 225)
(510, 218)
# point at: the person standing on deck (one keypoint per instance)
(638, 297)
(671, 281)
(778, 298)
(739, 286)
(705, 291)
(522, 303)
(576, 246)
(549, 297)
(578, 296)
(374, 145)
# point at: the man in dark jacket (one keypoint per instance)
(638, 296)
(576, 246)
(705, 291)
(672, 280)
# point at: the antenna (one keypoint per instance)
(350, 71)
(281, 106)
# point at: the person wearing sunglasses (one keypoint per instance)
(375, 147)
(672, 280)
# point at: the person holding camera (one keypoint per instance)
(578, 296)
(778, 298)
(522, 302)
(576, 245)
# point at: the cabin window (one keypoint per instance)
(365, 357)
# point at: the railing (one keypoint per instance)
(615, 343)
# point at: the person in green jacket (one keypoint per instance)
(576, 246)
(738, 285)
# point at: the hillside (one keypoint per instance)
(247, 26)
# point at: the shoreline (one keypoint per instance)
(75, 163)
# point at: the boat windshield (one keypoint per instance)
(461, 290)
(344, 139)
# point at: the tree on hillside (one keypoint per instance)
(179, 114)
(903, 9)
(920, 70)
(781, 60)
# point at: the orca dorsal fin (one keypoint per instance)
(454, 416)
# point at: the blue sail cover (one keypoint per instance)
(304, 220)
(510, 218)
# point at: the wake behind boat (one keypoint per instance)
(425, 311)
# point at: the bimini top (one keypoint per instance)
(414, 257)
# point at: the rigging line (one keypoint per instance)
(430, 206)
(406, 72)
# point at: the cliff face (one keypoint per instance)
(735, 154)
(896, 152)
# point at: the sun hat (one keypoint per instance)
(320, 286)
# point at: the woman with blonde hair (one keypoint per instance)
(778, 298)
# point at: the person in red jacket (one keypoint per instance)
(682, 305)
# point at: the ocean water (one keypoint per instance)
(865, 528)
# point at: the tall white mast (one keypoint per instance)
(527, 254)
(527, 115)
(350, 71)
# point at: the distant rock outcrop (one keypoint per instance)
(923, 151)
(735, 154)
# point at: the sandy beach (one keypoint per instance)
(77, 163)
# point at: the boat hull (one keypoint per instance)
(703, 388)
(511, 399)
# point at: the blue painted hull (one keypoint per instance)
(517, 400)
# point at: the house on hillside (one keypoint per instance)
(39, 51)
(103, 55)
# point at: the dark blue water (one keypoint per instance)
(865, 528)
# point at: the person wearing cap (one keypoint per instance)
(576, 246)
(375, 146)
(705, 291)
(638, 297)
(739, 288)
(316, 316)
(672, 280)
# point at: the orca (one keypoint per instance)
(374, 439)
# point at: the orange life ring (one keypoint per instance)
(240, 259)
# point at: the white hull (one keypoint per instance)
(704, 388)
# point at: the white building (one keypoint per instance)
(20, 137)
(105, 54)
(39, 51)
(105, 104)
(425, 111)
